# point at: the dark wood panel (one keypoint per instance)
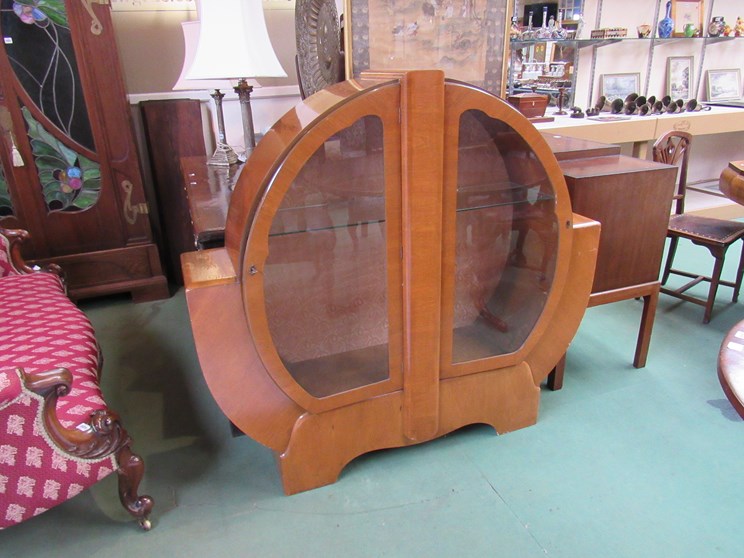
(173, 130)
(565, 148)
(631, 198)
(208, 190)
(135, 269)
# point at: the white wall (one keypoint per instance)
(150, 45)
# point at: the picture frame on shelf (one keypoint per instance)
(724, 85)
(619, 86)
(688, 12)
(420, 36)
(680, 77)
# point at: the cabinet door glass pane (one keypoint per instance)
(506, 240)
(38, 43)
(325, 276)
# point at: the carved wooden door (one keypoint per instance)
(70, 173)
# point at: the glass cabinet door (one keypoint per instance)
(506, 239)
(325, 277)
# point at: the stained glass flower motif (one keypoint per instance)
(40, 12)
(69, 180)
(29, 14)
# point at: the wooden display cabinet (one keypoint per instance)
(400, 261)
(69, 170)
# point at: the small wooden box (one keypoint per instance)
(530, 104)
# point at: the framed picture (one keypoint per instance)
(467, 40)
(724, 85)
(688, 12)
(679, 77)
(619, 86)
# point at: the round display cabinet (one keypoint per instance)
(401, 260)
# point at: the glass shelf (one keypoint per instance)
(362, 212)
(583, 43)
(485, 196)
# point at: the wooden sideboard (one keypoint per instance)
(208, 191)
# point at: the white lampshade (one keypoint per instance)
(190, 39)
(233, 42)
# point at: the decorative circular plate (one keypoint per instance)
(318, 44)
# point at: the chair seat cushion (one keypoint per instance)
(722, 231)
(41, 329)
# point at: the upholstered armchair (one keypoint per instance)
(57, 436)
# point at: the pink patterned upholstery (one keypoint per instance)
(41, 329)
(45, 461)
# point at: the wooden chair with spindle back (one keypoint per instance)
(717, 235)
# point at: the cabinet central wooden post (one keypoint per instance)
(422, 135)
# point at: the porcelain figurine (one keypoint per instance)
(644, 31)
(739, 29)
(666, 25)
(715, 27)
(514, 31)
(544, 31)
(529, 33)
(559, 33)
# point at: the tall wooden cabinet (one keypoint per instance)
(70, 173)
(401, 260)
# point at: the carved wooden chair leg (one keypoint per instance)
(131, 469)
(715, 278)
(673, 241)
(739, 276)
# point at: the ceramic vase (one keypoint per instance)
(666, 25)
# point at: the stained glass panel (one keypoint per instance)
(38, 43)
(69, 181)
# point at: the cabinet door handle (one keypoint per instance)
(131, 212)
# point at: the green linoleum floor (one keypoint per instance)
(622, 462)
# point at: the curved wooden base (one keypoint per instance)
(322, 445)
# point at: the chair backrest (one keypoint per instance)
(673, 148)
